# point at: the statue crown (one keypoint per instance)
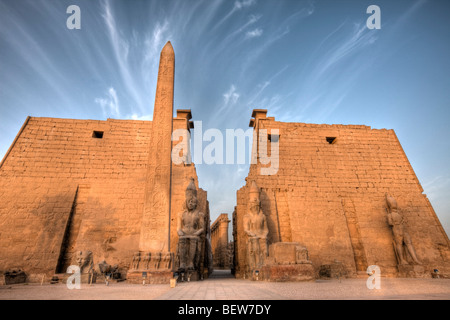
(191, 189)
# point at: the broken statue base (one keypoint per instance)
(287, 261)
(285, 273)
(151, 277)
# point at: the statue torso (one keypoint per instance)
(256, 223)
(191, 222)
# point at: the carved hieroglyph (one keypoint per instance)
(255, 226)
(401, 236)
(151, 261)
(155, 221)
(190, 229)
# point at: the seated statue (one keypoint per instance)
(255, 226)
(190, 228)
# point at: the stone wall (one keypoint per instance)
(64, 189)
(329, 195)
(219, 242)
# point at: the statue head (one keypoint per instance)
(191, 196)
(254, 198)
(83, 259)
(391, 203)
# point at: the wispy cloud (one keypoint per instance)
(153, 42)
(252, 101)
(437, 186)
(110, 104)
(257, 97)
(229, 100)
(235, 38)
(360, 38)
(337, 63)
(254, 33)
(121, 48)
(274, 35)
(231, 96)
(251, 20)
(19, 38)
(134, 116)
(238, 5)
(344, 55)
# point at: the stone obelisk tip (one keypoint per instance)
(168, 49)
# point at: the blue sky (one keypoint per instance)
(303, 60)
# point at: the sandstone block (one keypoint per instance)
(284, 273)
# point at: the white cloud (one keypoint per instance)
(231, 96)
(434, 187)
(155, 42)
(254, 33)
(252, 19)
(238, 5)
(340, 59)
(242, 4)
(121, 49)
(110, 104)
(134, 116)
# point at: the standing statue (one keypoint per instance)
(401, 236)
(136, 260)
(155, 260)
(165, 261)
(146, 260)
(190, 228)
(255, 226)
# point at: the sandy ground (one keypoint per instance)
(222, 287)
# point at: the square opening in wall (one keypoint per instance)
(273, 137)
(97, 134)
(331, 140)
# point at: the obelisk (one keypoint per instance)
(155, 227)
